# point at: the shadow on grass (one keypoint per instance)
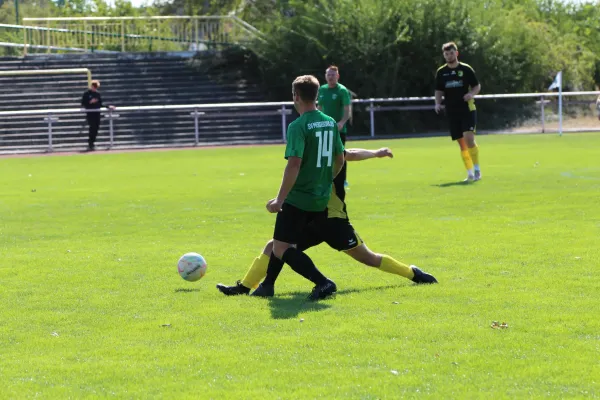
(182, 290)
(291, 307)
(291, 304)
(450, 184)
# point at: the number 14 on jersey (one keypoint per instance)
(325, 147)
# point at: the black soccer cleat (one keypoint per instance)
(323, 291)
(233, 290)
(422, 277)
(264, 291)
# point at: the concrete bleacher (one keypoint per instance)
(128, 80)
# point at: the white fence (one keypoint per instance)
(540, 100)
(284, 109)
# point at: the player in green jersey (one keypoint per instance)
(335, 101)
(315, 156)
(339, 234)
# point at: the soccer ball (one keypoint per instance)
(191, 266)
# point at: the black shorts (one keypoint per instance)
(338, 233)
(461, 122)
(291, 222)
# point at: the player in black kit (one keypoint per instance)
(457, 83)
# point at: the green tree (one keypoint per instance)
(393, 48)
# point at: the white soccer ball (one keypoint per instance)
(191, 266)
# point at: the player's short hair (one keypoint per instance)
(449, 46)
(307, 87)
(333, 68)
(95, 84)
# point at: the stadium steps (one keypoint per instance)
(128, 80)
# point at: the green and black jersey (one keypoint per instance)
(336, 208)
(455, 83)
(314, 138)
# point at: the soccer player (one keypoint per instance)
(334, 100)
(315, 156)
(339, 234)
(457, 83)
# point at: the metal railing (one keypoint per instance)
(22, 47)
(134, 34)
(51, 116)
(284, 109)
(374, 103)
(64, 71)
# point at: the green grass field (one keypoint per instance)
(92, 305)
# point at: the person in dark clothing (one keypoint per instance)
(92, 100)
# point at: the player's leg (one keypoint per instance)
(258, 270)
(466, 157)
(464, 153)
(469, 130)
(256, 273)
(388, 264)
(311, 237)
(289, 225)
(456, 133)
(302, 264)
(474, 153)
(340, 235)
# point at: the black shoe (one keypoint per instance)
(91, 148)
(264, 291)
(422, 277)
(233, 290)
(323, 291)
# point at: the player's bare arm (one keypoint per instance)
(472, 93)
(290, 174)
(364, 154)
(438, 100)
(345, 118)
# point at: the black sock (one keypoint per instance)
(273, 269)
(303, 265)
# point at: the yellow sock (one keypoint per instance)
(388, 264)
(474, 153)
(467, 160)
(257, 272)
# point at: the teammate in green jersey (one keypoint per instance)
(334, 100)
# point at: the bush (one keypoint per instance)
(392, 48)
